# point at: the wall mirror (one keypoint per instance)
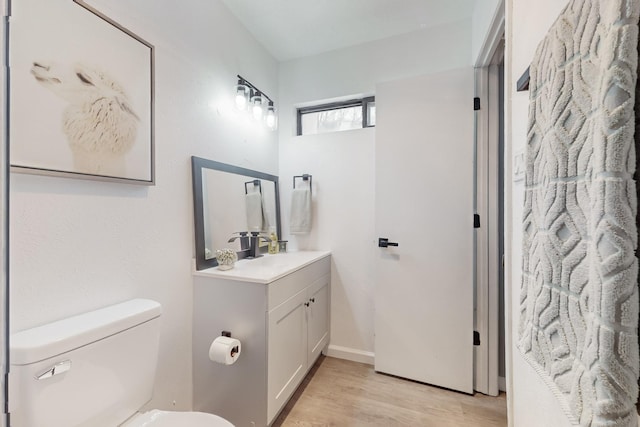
(224, 203)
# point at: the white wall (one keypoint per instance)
(532, 403)
(342, 163)
(77, 245)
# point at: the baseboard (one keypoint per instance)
(352, 354)
(502, 384)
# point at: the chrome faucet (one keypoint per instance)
(244, 240)
(249, 245)
(254, 244)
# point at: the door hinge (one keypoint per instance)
(476, 104)
(476, 338)
(6, 400)
(476, 221)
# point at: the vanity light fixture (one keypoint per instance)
(250, 98)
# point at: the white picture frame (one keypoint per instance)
(81, 94)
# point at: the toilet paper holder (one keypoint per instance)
(227, 334)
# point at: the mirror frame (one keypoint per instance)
(197, 165)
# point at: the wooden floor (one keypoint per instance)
(343, 394)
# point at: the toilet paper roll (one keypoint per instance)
(225, 350)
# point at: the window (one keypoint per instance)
(347, 115)
(371, 113)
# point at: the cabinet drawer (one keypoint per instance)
(287, 286)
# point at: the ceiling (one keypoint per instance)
(291, 29)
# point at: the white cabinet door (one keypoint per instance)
(287, 351)
(318, 317)
(424, 202)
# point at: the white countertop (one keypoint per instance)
(265, 269)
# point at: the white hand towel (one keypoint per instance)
(266, 215)
(253, 203)
(300, 222)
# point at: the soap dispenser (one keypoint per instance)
(273, 241)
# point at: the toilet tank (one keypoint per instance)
(94, 369)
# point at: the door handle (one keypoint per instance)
(384, 243)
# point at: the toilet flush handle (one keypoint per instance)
(57, 369)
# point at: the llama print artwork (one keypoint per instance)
(81, 92)
(98, 121)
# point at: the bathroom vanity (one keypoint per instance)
(278, 307)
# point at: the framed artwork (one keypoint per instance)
(81, 94)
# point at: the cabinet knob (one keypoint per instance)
(306, 304)
(312, 300)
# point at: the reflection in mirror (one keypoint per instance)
(233, 203)
(227, 200)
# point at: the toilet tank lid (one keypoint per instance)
(49, 340)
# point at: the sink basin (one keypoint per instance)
(266, 268)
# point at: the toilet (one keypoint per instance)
(93, 370)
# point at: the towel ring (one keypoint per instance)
(256, 183)
(304, 177)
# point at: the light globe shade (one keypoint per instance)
(271, 120)
(242, 96)
(256, 106)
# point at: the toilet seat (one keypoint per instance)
(157, 418)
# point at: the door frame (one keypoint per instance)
(5, 6)
(486, 204)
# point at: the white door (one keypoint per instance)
(424, 202)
